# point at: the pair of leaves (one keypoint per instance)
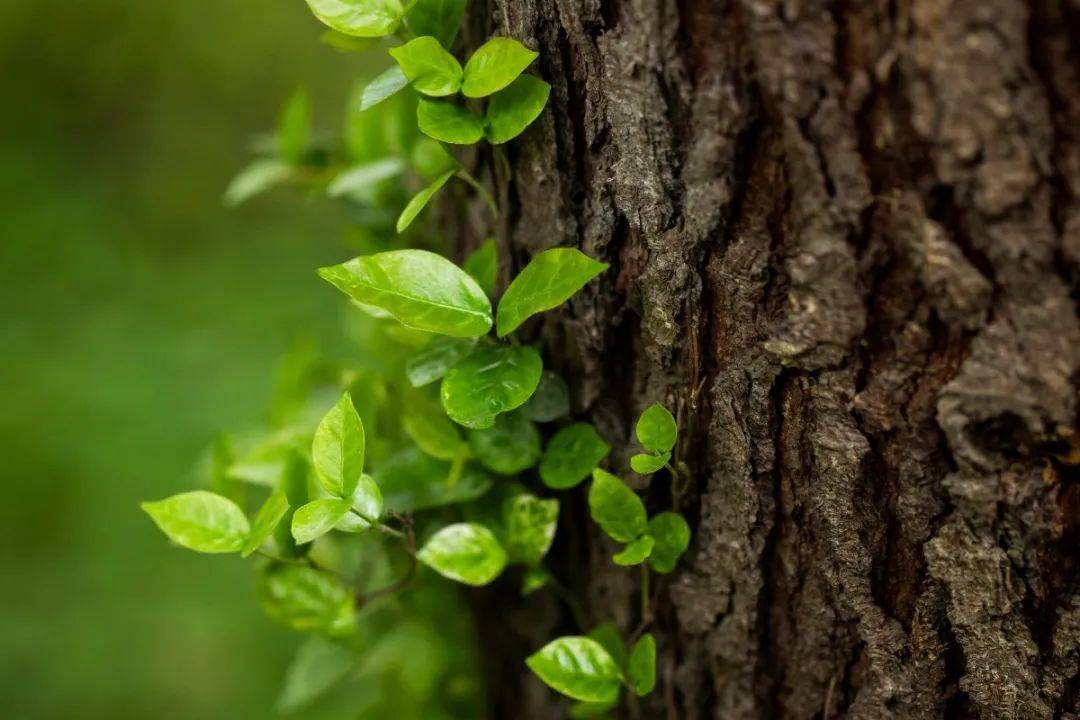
(582, 668)
(656, 431)
(620, 513)
(466, 552)
(435, 72)
(509, 112)
(210, 523)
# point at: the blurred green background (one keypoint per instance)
(140, 317)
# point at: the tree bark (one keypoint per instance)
(845, 244)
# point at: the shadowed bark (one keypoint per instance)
(845, 243)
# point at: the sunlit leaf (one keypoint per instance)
(672, 536)
(645, 464)
(304, 598)
(385, 84)
(420, 201)
(494, 65)
(546, 282)
(466, 552)
(514, 108)
(571, 455)
(266, 520)
(449, 123)
(641, 668)
(430, 69)
(361, 18)
(317, 518)
(337, 449)
(636, 551)
(656, 429)
(509, 446)
(200, 521)
(530, 524)
(577, 667)
(367, 502)
(490, 381)
(616, 508)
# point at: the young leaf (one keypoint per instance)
(294, 127)
(530, 527)
(509, 446)
(359, 18)
(546, 282)
(466, 552)
(672, 536)
(551, 400)
(448, 123)
(361, 180)
(431, 70)
(431, 362)
(337, 449)
(438, 18)
(571, 455)
(494, 65)
(616, 508)
(430, 159)
(644, 464)
(641, 668)
(483, 265)
(384, 85)
(317, 518)
(635, 552)
(420, 201)
(656, 429)
(266, 521)
(259, 176)
(432, 431)
(535, 579)
(367, 500)
(419, 288)
(608, 635)
(304, 598)
(200, 521)
(514, 108)
(577, 667)
(491, 381)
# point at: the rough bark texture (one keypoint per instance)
(846, 241)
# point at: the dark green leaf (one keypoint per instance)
(449, 123)
(294, 127)
(317, 518)
(571, 455)
(509, 446)
(431, 70)
(530, 527)
(483, 265)
(494, 65)
(635, 552)
(304, 598)
(439, 18)
(616, 508)
(546, 282)
(337, 449)
(578, 667)
(641, 669)
(200, 521)
(360, 18)
(420, 201)
(419, 288)
(266, 520)
(672, 536)
(431, 362)
(551, 400)
(259, 176)
(644, 464)
(491, 381)
(382, 86)
(465, 552)
(514, 108)
(656, 429)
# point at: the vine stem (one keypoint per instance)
(384, 529)
(481, 191)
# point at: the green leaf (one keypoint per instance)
(546, 282)
(608, 635)
(636, 552)
(672, 536)
(587, 711)
(514, 108)
(431, 160)
(293, 481)
(266, 520)
(551, 400)
(420, 201)
(530, 527)
(448, 123)
(644, 464)
(641, 668)
(346, 43)
(535, 579)
(360, 18)
(294, 127)
(431, 70)
(317, 518)
(466, 552)
(491, 381)
(384, 85)
(577, 667)
(656, 429)
(431, 362)
(494, 65)
(201, 521)
(411, 480)
(616, 508)
(509, 446)
(317, 667)
(439, 18)
(367, 500)
(304, 598)
(419, 288)
(483, 265)
(337, 449)
(571, 455)
(259, 176)
(361, 181)
(432, 431)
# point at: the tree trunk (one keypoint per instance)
(845, 243)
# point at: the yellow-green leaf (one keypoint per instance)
(337, 450)
(571, 455)
(317, 518)
(635, 552)
(641, 668)
(546, 282)
(578, 667)
(447, 122)
(266, 521)
(672, 536)
(359, 18)
(616, 508)
(514, 108)
(420, 200)
(494, 65)
(430, 69)
(200, 520)
(466, 552)
(656, 429)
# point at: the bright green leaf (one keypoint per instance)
(636, 552)
(439, 18)
(360, 181)
(200, 521)
(514, 108)
(266, 520)
(420, 200)
(546, 282)
(294, 127)
(509, 446)
(577, 667)
(367, 501)
(656, 429)
(431, 362)
(483, 265)
(644, 464)
(494, 65)
(551, 400)
(641, 668)
(384, 85)
(360, 18)
(608, 635)
(431, 160)
(337, 449)
(304, 598)
(431, 70)
(419, 288)
(432, 431)
(535, 579)
(491, 381)
(317, 518)
(530, 524)
(672, 536)
(616, 508)
(466, 552)
(447, 122)
(571, 455)
(259, 176)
